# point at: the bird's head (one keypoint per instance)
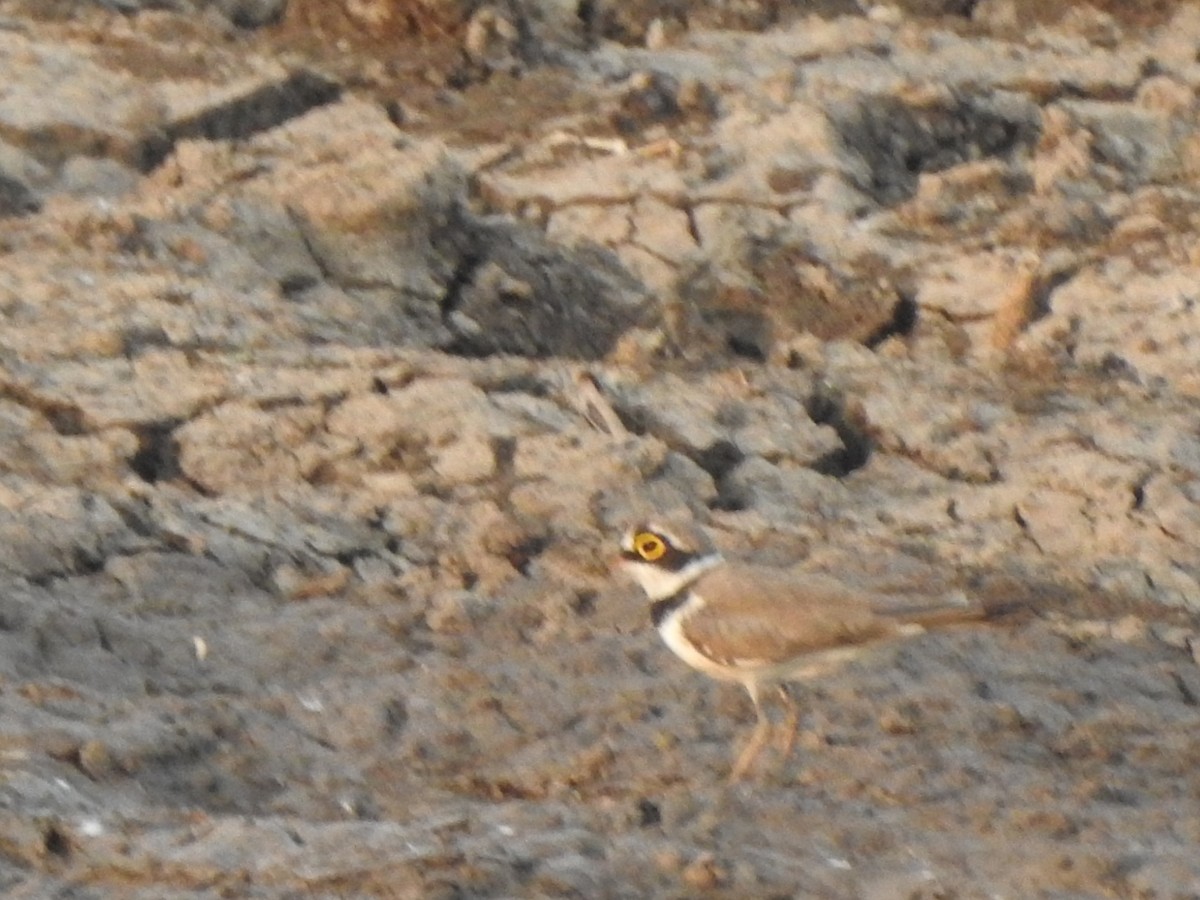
(664, 560)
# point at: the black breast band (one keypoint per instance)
(660, 609)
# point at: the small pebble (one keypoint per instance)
(703, 873)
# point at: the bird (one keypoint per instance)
(763, 626)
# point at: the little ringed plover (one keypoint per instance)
(762, 626)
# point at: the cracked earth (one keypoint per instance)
(340, 340)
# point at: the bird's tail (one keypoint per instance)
(947, 610)
(997, 600)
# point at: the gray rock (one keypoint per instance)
(252, 13)
(16, 199)
(509, 293)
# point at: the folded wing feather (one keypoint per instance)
(789, 614)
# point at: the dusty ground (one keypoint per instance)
(305, 515)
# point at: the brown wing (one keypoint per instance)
(791, 614)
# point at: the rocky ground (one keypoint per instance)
(340, 340)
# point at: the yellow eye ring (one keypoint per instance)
(649, 546)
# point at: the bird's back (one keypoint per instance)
(773, 614)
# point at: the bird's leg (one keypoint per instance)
(762, 731)
(791, 721)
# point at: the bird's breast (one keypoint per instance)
(673, 629)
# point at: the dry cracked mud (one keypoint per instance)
(339, 340)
